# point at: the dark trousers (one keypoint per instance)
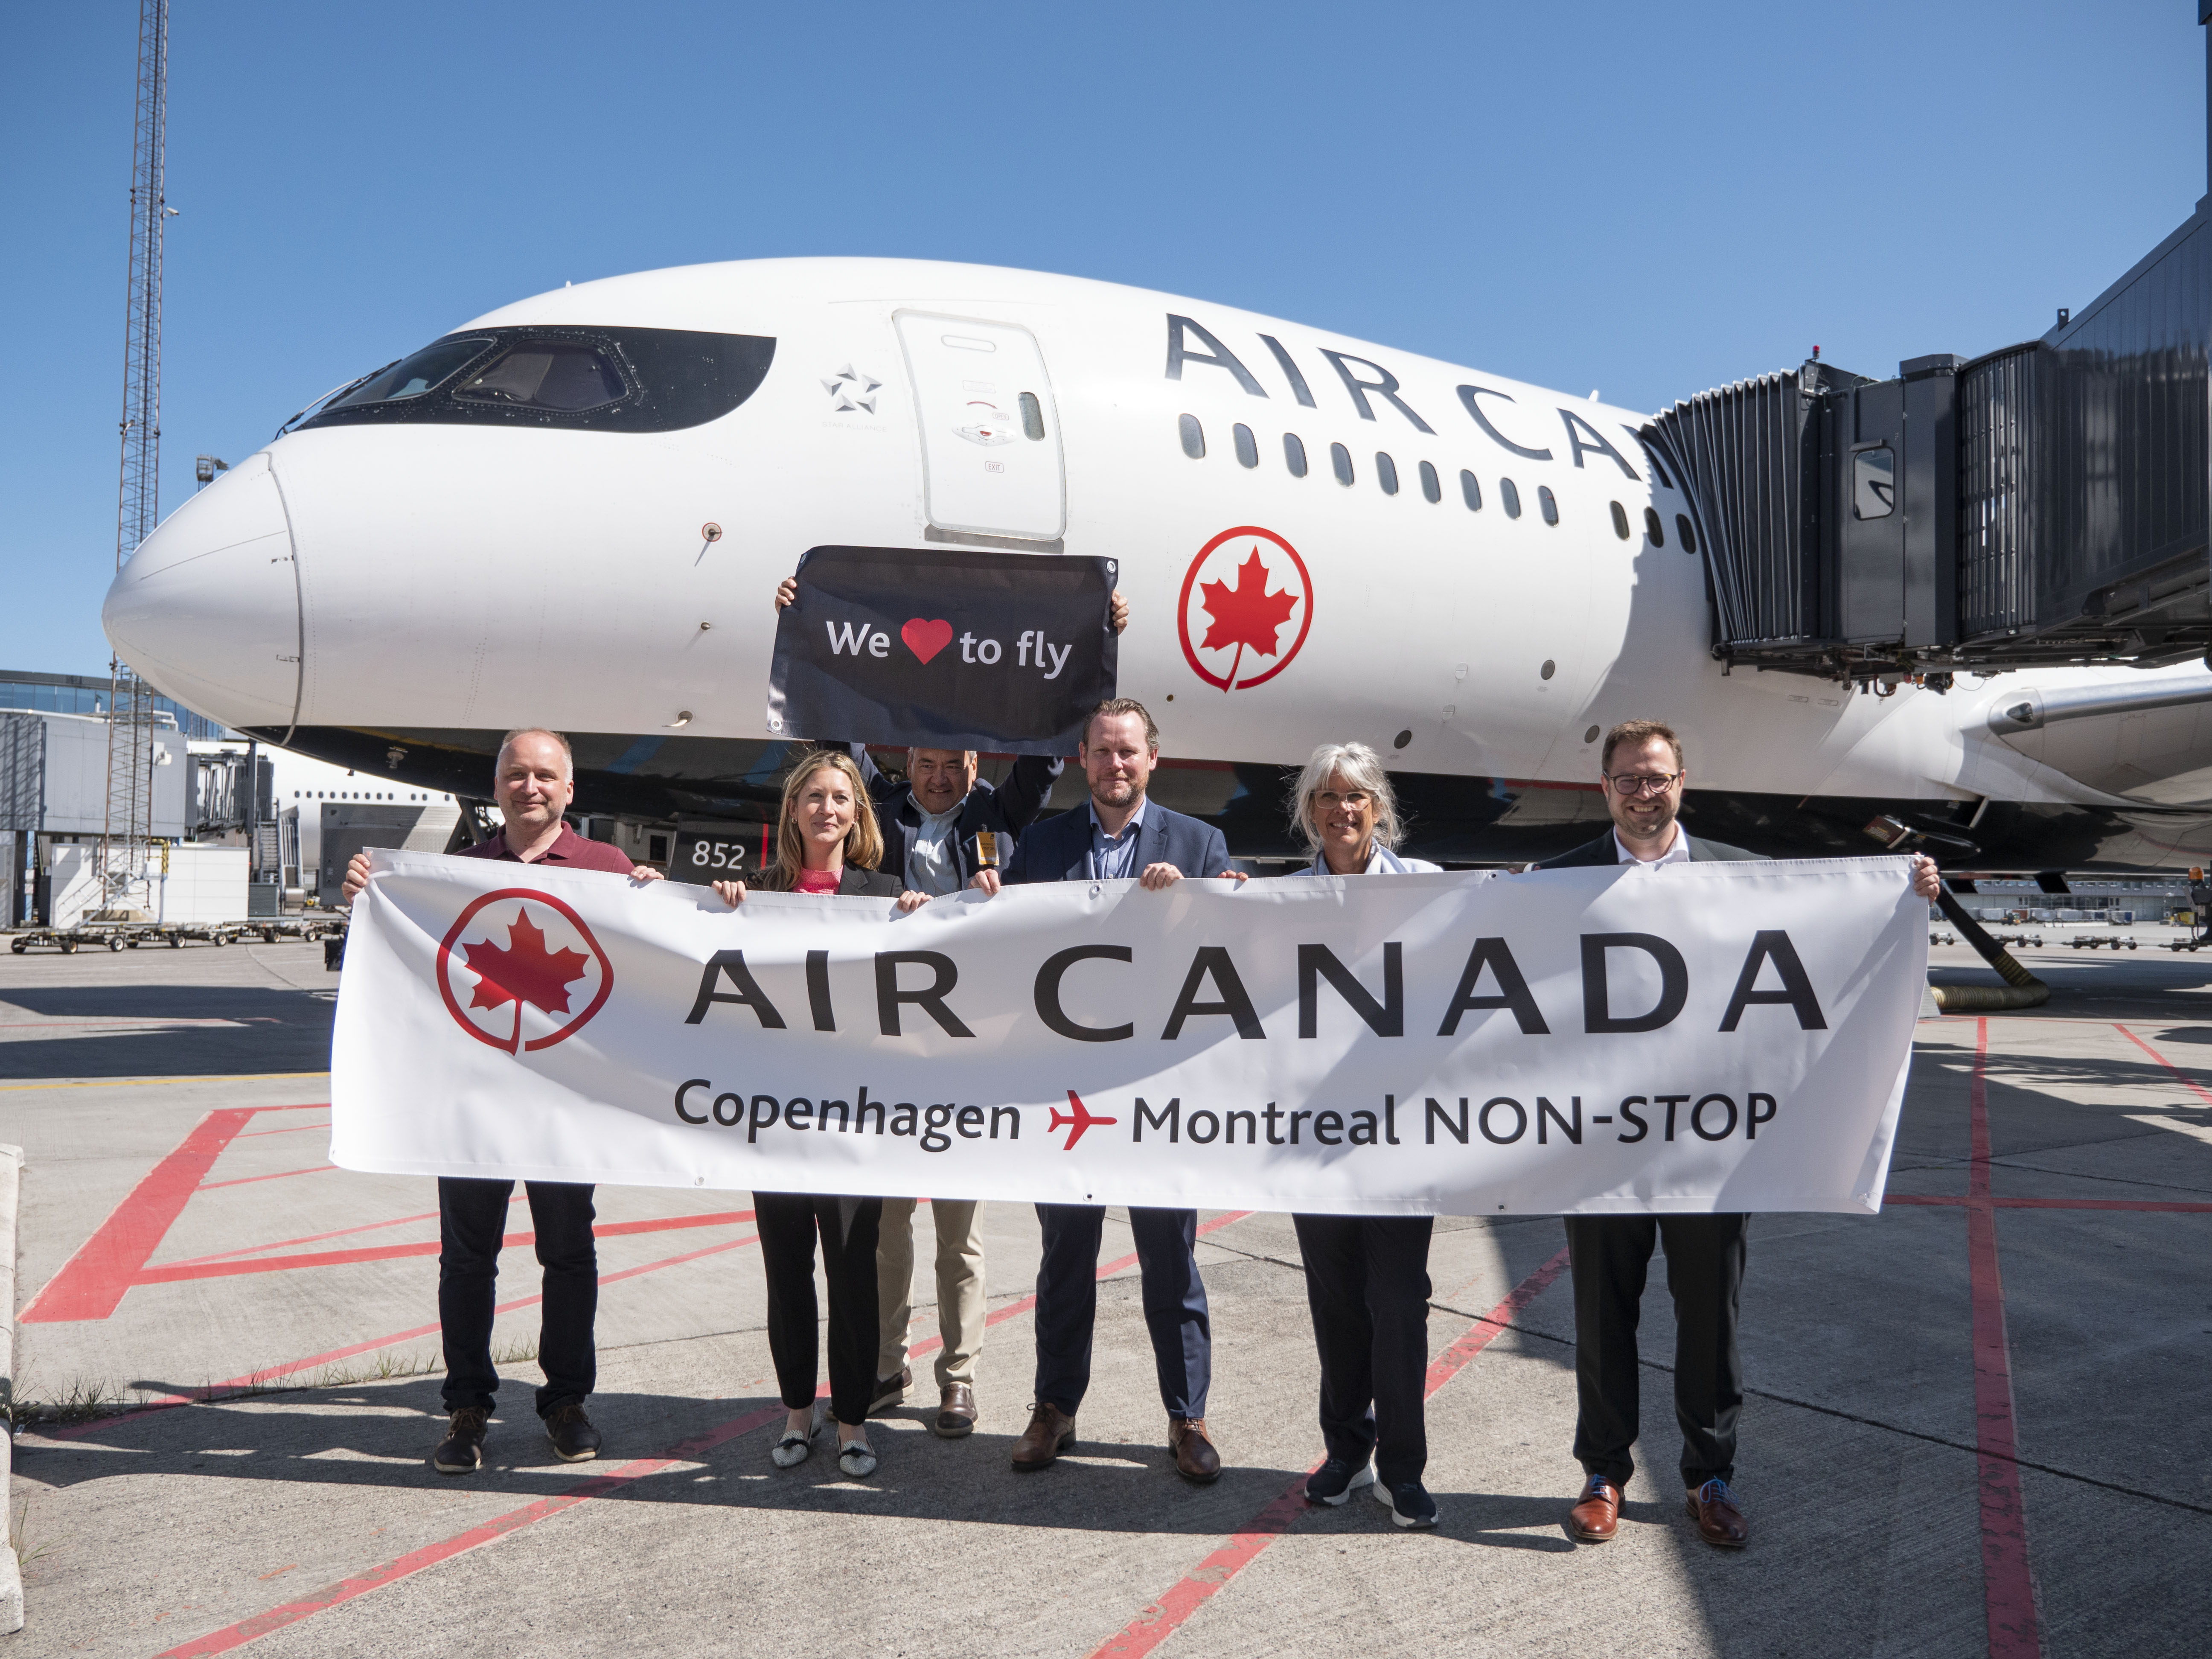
(1175, 1305)
(788, 1223)
(1611, 1255)
(1367, 1282)
(471, 1221)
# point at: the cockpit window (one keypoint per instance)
(411, 377)
(605, 379)
(554, 375)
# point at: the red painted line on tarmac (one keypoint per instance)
(1484, 1330)
(2008, 1583)
(291, 1612)
(1167, 1615)
(2182, 1077)
(298, 1129)
(931, 1345)
(271, 1373)
(172, 1273)
(2054, 1203)
(242, 1181)
(91, 1283)
(312, 1238)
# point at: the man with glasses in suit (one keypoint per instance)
(1642, 775)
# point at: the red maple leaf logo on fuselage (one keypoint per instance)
(524, 971)
(1245, 615)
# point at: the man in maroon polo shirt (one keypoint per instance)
(535, 782)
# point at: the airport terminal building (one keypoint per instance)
(240, 829)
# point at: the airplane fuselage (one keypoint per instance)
(1476, 575)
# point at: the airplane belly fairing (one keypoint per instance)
(667, 779)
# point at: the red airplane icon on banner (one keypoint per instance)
(1077, 1120)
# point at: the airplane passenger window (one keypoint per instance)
(1340, 458)
(1248, 450)
(1430, 487)
(1683, 532)
(1653, 528)
(1510, 496)
(1470, 489)
(551, 374)
(1193, 436)
(1032, 417)
(1294, 454)
(1385, 473)
(1549, 502)
(1620, 522)
(411, 377)
(1874, 483)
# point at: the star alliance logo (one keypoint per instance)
(853, 389)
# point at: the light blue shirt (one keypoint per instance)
(1114, 857)
(1381, 861)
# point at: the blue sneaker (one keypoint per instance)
(1336, 1480)
(1409, 1503)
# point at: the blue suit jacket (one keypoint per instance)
(1058, 848)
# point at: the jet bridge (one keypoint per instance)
(2043, 505)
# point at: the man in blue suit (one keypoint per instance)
(1119, 834)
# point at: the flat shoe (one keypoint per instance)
(791, 1449)
(857, 1460)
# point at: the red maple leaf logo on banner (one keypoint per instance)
(1245, 615)
(524, 971)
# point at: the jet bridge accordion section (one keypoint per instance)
(2043, 504)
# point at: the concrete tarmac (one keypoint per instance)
(1974, 1423)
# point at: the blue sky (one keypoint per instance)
(1644, 199)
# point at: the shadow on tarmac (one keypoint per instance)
(277, 1031)
(381, 1438)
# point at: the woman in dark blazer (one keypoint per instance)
(827, 842)
(1367, 1276)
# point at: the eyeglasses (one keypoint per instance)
(1632, 784)
(1328, 800)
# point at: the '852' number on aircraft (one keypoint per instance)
(704, 858)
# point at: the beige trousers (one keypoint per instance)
(960, 1305)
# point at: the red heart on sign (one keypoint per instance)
(926, 638)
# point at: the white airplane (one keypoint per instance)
(574, 511)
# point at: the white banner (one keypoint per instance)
(1684, 1037)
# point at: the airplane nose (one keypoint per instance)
(208, 608)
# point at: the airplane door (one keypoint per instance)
(990, 433)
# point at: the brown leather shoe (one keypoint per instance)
(1712, 1506)
(956, 1412)
(1596, 1515)
(1051, 1431)
(1195, 1459)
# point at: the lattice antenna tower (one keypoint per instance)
(127, 832)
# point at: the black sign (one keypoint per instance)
(720, 853)
(943, 648)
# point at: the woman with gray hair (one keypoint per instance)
(1367, 1276)
(1344, 806)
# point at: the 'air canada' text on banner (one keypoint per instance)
(947, 647)
(1684, 1037)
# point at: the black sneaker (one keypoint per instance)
(1409, 1503)
(891, 1391)
(1336, 1480)
(461, 1452)
(574, 1439)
